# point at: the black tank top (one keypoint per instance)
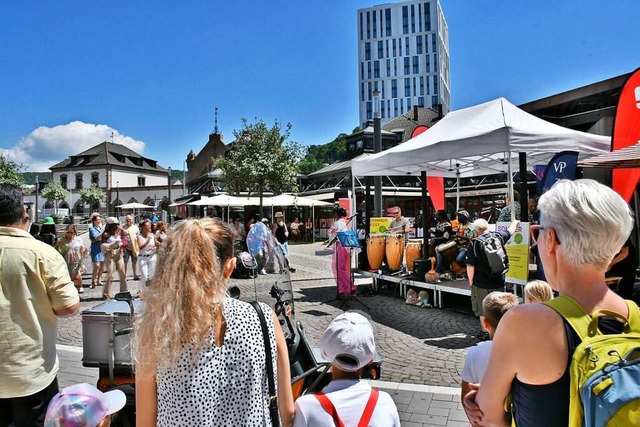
(280, 236)
(548, 405)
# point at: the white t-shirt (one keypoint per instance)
(349, 398)
(476, 363)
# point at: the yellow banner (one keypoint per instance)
(379, 225)
(518, 252)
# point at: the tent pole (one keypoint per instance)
(510, 183)
(426, 223)
(524, 198)
(457, 187)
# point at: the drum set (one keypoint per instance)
(393, 249)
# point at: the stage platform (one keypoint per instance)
(458, 287)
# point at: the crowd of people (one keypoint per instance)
(203, 358)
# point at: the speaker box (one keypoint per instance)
(420, 268)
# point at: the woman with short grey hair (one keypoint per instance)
(582, 226)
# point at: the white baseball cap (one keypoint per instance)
(348, 342)
(82, 405)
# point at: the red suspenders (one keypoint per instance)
(331, 410)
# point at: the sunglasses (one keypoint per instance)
(395, 213)
(534, 230)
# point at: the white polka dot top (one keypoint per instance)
(225, 386)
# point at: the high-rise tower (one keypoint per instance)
(403, 52)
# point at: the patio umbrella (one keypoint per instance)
(295, 200)
(134, 206)
(225, 200)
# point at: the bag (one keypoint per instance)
(493, 257)
(605, 369)
(273, 397)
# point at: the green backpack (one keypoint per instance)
(605, 369)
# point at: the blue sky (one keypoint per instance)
(71, 72)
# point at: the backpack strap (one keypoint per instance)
(368, 409)
(586, 325)
(573, 313)
(329, 408)
(366, 414)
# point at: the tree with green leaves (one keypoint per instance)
(261, 158)
(54, 192)
(10, 172)
(318, 156)
(92, 196)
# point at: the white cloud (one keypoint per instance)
(46, 146)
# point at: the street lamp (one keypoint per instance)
(377, 147)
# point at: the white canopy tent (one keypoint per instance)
(479, 140)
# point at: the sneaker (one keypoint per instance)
(80, 291)
(263, 272)
(136, 277)
(292, 270)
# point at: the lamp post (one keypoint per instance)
(169, 196)
(377, 147)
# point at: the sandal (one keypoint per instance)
(93, 286)
(106, 297)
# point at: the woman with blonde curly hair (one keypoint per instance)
(200, 356)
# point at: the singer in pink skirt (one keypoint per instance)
(341, 262)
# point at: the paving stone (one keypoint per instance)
(430, 419)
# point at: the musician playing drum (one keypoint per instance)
(443, 234)
(400, 224)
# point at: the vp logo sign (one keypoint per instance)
(558, 167)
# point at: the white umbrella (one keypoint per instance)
(134, 205)
(294, 200)
(226, 200)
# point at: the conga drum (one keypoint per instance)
(413, 252)
(393, 252)
(448, 250)
(375, 250)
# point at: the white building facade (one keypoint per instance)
(403, 52)
(124, 175)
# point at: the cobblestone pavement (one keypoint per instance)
(418, 345)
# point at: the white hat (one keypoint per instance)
(349, 335)
(278, 215)
(112, 220)
(82, 404)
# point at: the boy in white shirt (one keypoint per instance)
(494, 306)
(348, 342)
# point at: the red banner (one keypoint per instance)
(626, 132)
(435, 185)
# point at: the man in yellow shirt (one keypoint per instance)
(35, 287)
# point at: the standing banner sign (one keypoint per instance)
(379, 225)
(563, 165)
(518, 252)
(626, 132)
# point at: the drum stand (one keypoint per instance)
(403, 266)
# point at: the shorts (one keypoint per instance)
(478, 295)
(129, 254)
